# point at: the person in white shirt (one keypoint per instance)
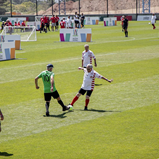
(88, 84)
(76, 20)
(153, 20)
(69, 23)
(87, 56)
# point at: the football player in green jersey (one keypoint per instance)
(49, 88)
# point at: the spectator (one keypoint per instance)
(69, 23)
(76, 20)
(2, 25)
(62, 24)
(82, 20)
(57, 22)
(53, 23)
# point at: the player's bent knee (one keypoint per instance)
(87, 97)
(78, 94)
(58, 98)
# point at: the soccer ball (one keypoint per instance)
(149, 23)
(71, 107)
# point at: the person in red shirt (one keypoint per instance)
(8, 23)
(23, 23)
(45, 23)
(122, 18)
(53, 22)
(42, 18)
(18, 23)
(48, 22)
(15, 24)
(62, 24)
(42, 28)
(57, 22)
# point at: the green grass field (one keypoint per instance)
(122, 120)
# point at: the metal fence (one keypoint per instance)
(69, 7)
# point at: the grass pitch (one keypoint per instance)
(122, 121)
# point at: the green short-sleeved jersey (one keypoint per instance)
(46, 77)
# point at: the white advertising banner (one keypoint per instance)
(144, 17)
(75, 35)
(36, 24)
(91, 21)
(7, 50)
(12, 38)
(16, 19)
(111, 21)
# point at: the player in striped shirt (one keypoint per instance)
(87, 56)
(88, 84)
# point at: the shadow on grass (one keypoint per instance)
(58, 116)
(13, 59)
(100, 111)
(98, 84)
(5, 154)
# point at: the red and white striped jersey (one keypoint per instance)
(87, 57)
(89, 79)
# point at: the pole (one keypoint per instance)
(139, 6)
(107, 8)
(11, 7)
(59, 7)
(79, 7)
(64, 8)
(136, 9)
(36, 7)
(52, 7)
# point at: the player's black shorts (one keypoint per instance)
(125, 26)
(48, 96)
(82, 91)
(76, 22)
(57, 23)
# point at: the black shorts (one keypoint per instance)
(82, 91)
(76, 22)
(48, 96)
(125, 26)
(57, 23)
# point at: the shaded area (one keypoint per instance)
(100, 111)
(5, 154)
(98, 84)
(57, 116)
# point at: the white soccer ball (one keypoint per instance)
(70, 107)
(149, 23)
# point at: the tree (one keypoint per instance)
(2, 7)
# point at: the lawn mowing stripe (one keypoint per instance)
(113, 98)
(105, 59)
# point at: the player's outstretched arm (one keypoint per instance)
(36, 82)
(82, 63)
(95, 63)
(107, 79)
(80, 68)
